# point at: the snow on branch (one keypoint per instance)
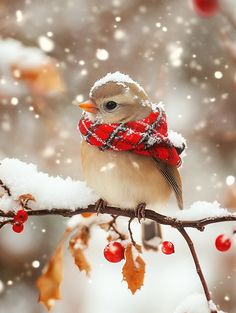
(23, 186)
(67, 197)
(49, 192)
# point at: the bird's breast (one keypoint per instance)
(123, 178)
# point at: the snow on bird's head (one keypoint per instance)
(118, 78)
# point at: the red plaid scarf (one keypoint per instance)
(148, 136)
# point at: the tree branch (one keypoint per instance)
(197, 264)
(180, 225)
(5, 188)
(149, 214)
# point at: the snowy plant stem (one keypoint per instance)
(197, 264)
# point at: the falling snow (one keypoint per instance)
(177, 56)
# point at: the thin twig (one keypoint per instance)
(5, 222)
(197, 264)
(114, 228)
(5, 188)
(130, 231)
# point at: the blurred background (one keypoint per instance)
(51, 52)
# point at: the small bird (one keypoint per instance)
(126, 154)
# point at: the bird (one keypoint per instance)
(124, 176)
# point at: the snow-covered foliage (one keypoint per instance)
(49, 192)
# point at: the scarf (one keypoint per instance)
(148, 136)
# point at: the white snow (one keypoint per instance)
(202, 209)
(102, 54)
(79, 220)
(13, 52)
(177, 139)
(49, 192)
(196, 303)
(57, 192)
(46, 44)
(116, 77)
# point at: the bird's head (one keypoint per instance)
(116, 98)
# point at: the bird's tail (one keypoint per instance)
(151, 235)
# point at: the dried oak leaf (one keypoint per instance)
(105, 226)
(26, 197)
(133, 270)
(78, 244)
(50, 281)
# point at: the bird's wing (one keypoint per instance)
(172, 176)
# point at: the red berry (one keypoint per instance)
(114, 252)
(21, 216)
(167, 247)
(223, 243)
(206, 7)
(18, 227)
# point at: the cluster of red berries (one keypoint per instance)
(20, 218)
(114, 251)
(206, 8)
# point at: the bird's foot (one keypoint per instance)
(140, 211)
(100, 205)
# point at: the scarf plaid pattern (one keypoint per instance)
(148, 136)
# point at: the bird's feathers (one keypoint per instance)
(172, 176)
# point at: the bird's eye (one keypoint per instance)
(110, 105)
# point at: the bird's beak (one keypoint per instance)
(89, 106)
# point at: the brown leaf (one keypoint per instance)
(110, 238)
(42, 79)
(48, 80)
(78, 244)
(50, 281)
(26, 197)
(87, 214)
(133, 270)
(105, 226)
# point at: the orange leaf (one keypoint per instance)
(48, 80)
(78, 244)
(50, 281)
(87, 214)
(110, 238)
(26, 197)
(105, 226)
(42, 79)
(133, 270)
